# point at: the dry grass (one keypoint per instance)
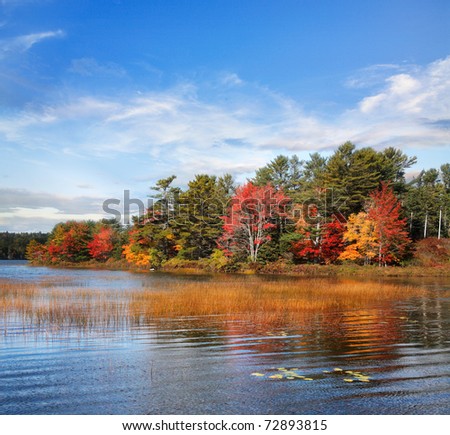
(252, 299)
(262, 301)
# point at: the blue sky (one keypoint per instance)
(101, 96)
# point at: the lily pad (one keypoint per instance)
(276, 377)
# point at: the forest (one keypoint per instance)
(355, 206)
(13, 245)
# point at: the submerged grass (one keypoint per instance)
(252, 299)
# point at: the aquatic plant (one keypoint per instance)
(264, 303)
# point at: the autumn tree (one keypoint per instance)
(333, 240)
(69, 241)
(391, 234)
(361, 239)
(101, 246)
(309, 227)
(36, 253)
(321, 242)
(254, 211)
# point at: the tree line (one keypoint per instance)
(355, 205)
(13, 245)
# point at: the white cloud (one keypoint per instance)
(195, 128)
(231, 79)
(368, 104)
(22, 219)
(25, 210)
(412, 109)
(23, 198)
(20, 44)
(190, 126)
(376, 75)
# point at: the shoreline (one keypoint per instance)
(283, 269)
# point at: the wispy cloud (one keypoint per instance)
(231, 79)
(176, 118)
(20, 44)
(376, 75)
(185, 126)
(228, 125)
(87, 67)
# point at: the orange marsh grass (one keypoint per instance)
(262, 300)
(249, 299)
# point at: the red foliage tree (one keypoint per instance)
(320, 243)
(253, 212)
(333, 241)
(69, 242)
(392, 236)
(309, 227)
(101, 245)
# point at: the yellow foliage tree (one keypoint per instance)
(135, 257)
(361, 236)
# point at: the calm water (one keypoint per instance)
(208, 365)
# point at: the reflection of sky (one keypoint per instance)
(204, 365)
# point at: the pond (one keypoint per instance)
(111, 342)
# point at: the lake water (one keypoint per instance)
(397, 353)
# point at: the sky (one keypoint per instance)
(99, 97)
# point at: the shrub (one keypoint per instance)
(432, 252)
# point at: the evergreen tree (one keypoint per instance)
(283, 173)
(202, 205)
(393, 164)
(427, 203)
(351, 175)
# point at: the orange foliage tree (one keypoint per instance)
(361, 239)
(378, 233)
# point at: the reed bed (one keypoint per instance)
(263, 301)
(250, 299)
